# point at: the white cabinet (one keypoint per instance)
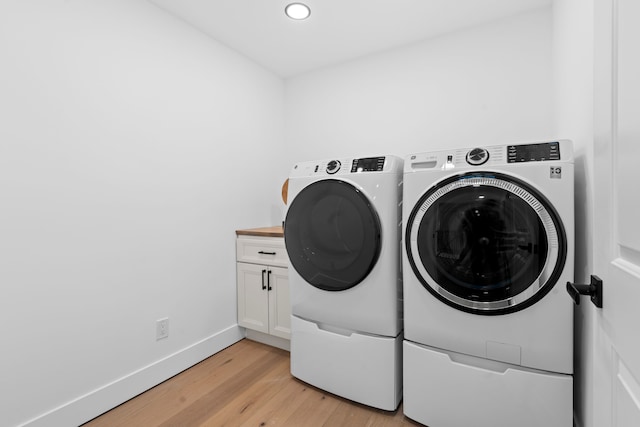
(263, 285)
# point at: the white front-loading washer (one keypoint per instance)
(342, 234)
(488, 247)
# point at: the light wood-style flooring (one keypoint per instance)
(246, 384)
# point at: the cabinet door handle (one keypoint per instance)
(263, 282)
(269, 280)
(266, 253)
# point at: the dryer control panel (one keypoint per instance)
(337, 167)
(365, 164)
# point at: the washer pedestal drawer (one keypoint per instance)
(363, 368)
(444, 389)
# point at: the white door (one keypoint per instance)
(617, 212)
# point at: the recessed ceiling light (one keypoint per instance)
(297, 11)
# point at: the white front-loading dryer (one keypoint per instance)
(488, 247)
(342, 235)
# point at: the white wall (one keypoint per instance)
(131, 148)
(573, 74)
(485, 85)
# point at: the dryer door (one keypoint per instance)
(332, 234)
(485, 243)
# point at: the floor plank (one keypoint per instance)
(247, 384)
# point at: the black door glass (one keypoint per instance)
(486, 243)
(332, 235)
(482, 243)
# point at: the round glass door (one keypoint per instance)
(332, 235)
(485, 243)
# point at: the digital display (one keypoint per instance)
(368, 164)
(533, 152)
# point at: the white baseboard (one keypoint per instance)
(92, 404)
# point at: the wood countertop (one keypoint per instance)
(275, 231)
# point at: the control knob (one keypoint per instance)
(333, 166)
(477, 156)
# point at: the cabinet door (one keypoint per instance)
(279, 303)
(253, 300)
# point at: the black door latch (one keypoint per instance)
(594, 290)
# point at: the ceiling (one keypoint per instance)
(337, 30)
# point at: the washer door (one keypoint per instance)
(485, 243)
(332, 235)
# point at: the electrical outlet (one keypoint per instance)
(162, 328)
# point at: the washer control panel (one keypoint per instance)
(489, 156)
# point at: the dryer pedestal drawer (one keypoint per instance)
(443, 389)
(362, 368)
